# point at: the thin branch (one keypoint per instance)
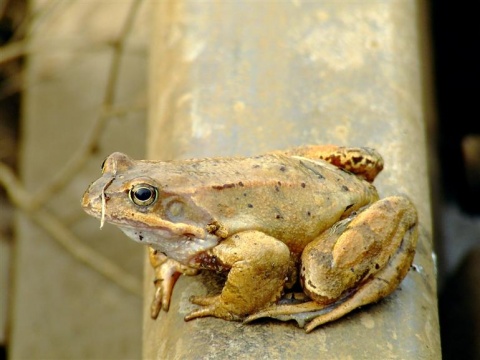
(20, 44)
(13, 50)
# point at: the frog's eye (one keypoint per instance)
(143, 194)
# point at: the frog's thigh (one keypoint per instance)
(260, 265)
(370, 256)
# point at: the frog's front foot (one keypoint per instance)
(359, 261)
(167, 272)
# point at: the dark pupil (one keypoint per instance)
(143, 194)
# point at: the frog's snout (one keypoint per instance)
(91, 200)
(87, 200)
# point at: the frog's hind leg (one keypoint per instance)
(359, 261)
(376, 248)
(364, 162)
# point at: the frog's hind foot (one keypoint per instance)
(301, 313)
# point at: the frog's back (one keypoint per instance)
(290, 198)
(202, 175)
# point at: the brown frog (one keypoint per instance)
(309, 214)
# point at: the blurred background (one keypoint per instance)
(54, 53)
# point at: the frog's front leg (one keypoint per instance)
(167, 272)
(359, 261)
(259, 268)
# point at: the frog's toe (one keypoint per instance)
(202, 312)
(158, 303)
(210, 307)
(204, 300)
(162, 296)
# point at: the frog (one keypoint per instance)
(299, 234)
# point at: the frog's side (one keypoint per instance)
(263, 220)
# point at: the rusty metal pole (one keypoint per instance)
(246, 77)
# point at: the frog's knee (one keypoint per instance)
(403, 207)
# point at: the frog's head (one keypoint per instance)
(145, 210)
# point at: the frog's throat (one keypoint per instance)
(180, 247)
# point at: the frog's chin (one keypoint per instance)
(179, 247)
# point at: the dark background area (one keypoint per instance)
(456, 73)
(456, 70)
(456, 189)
